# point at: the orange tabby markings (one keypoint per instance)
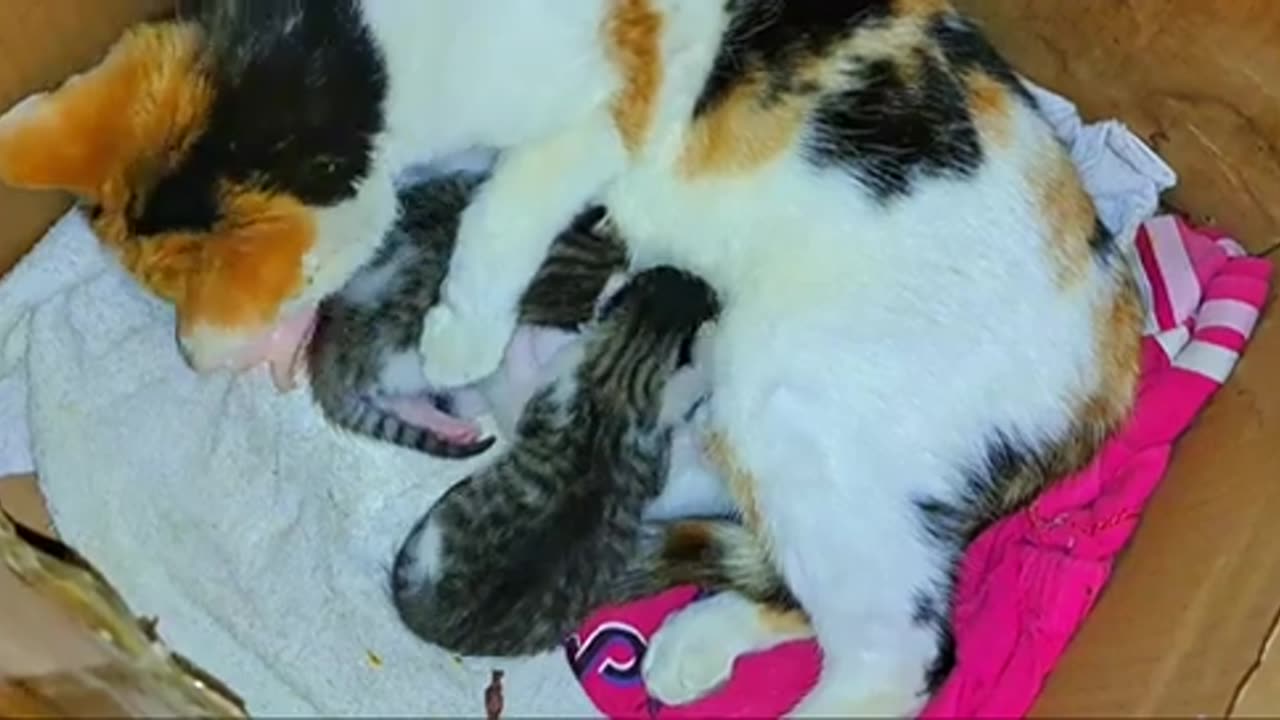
(1119, 330)
(784, 622)
(251, 263)
(135, 110)
(991, 108)
(742, 485)
(634, 31)
(1069, 214)
(687, 541)
(742, 133)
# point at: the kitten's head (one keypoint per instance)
(645, 331)
(208, 172)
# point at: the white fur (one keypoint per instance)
(864, 353)
(693, 488)
(423, 552)
(692, 654)
(401, 374)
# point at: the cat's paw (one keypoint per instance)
(692, 654)
(458, 350)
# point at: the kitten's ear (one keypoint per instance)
(145, 94)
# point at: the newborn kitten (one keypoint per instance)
(512, 559)
(363, 357)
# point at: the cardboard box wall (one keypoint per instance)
(1186, 624)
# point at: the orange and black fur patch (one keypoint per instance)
(886, 90)
(200, 148)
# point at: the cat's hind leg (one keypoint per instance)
(810, 443)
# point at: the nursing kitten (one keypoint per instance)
(512, 559)
(923, 321)
(363, 357)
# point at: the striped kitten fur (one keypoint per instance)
(364, 350)
(512, 559)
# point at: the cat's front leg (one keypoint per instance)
(504, 234)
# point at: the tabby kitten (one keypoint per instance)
(362, 358)
(512, 559)
(923, 321)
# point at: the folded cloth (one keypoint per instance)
(1028, 582)
(1124, 176)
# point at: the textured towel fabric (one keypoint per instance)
(260, 537)
(257, 535)
(1029, 581)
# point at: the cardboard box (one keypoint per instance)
(1186, 626)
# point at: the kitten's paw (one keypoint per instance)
(612, 285)
(458, 350)
(692, 654)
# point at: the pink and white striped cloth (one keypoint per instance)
(1028, 582)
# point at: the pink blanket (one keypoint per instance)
(1029, 581)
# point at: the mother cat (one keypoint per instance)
(923, 320)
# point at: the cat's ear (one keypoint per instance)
(135, 106)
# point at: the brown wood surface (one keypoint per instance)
(41, 43)
(1200, 79)
(1181, 627)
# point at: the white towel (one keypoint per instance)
(259, 536)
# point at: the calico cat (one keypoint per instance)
(923, 321)
(512, 559)
(362, 358)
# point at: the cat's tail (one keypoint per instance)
(714, 554)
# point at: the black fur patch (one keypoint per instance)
(670, 298)
(945, 661)
(887, 132)
(299, 92)
(953, 523)
(956, 522)
(932, 611)
(772, 37)
(965, 47)
(1102, 242)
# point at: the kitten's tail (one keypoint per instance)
(360, 415)
(714, 554)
